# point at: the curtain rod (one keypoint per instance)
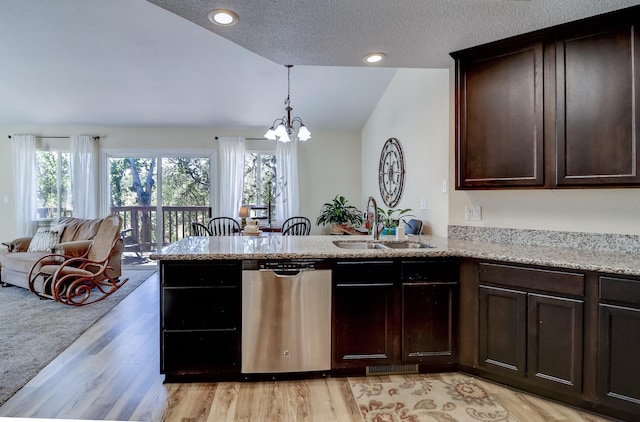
(95, 138)
(249, 139)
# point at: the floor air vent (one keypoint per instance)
(392, 369)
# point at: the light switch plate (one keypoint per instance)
(473, 213)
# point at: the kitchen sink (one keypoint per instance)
(406, 244)
(358, 245)
(390, 244)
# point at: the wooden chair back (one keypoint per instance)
(223, 226)
(306, 224)
(296, 229)
(199, 229)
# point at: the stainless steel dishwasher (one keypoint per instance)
(286, 316)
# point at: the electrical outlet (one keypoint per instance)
(473, 213)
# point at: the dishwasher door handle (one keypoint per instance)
(284, 273)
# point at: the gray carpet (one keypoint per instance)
(33, 331)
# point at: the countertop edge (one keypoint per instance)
(321, 247)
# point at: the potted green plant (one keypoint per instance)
(339, 213)
(391, 218)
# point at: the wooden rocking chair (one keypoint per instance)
(79, 281)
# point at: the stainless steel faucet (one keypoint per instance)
(374, 229)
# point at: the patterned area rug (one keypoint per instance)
(421, 398)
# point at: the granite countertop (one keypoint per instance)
(295, 247)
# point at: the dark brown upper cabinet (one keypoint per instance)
(597, 115)
(552, 108)
(500, 117)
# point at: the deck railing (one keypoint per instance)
(176, 222)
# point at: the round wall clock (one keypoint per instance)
(391, 172)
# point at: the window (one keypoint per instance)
(260, 188)
(158, 196)
(53, 183)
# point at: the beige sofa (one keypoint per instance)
(74, 241)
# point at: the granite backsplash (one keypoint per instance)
(528, 237)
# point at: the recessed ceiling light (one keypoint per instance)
(374, 57)
(223, 17)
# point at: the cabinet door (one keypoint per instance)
(200, 318)
(363, 327)
(201, 308)
(618, 361)
(555, 343)
(597, 109)
(428, 322)
(502, 331)
(500, 119)
(196, 353)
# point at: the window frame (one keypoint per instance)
(59, 152)
(261, 152)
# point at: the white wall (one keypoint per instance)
(329, 162)
(615, 211)
(415, 110)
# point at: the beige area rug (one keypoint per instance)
(422, 398)
(34, 331)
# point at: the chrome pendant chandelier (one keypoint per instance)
(283, 128)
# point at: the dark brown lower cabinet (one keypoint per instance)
(530, 336)
(364, 329)
(555, 335)
(619, 344)
(502, 345)
(429, 312)
(200, 319)
(364, 313)
(389, 313)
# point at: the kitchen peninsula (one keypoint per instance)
(560, 322)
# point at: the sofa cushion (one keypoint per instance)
(45, 239)
(79, 229)
(20, 261)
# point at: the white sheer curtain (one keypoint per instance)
(231, 175)
(24, 168)
(288, 202)
(84, 176)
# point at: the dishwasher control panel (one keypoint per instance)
(286, 265)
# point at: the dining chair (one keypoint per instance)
(302, 230)
(223, 226)
(199, 229)
(296, 229)
(413, 226)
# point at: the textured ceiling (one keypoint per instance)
(132, 63)
(413, 33)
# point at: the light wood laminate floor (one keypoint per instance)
(112, 373)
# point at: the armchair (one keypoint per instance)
(81, 280)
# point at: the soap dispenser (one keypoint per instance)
(401, 232)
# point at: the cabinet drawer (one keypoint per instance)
(191, 273)
(436, 271)
(200, 352)
(620, 290)
(201, 308)
(364, 272)
(561, 282)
